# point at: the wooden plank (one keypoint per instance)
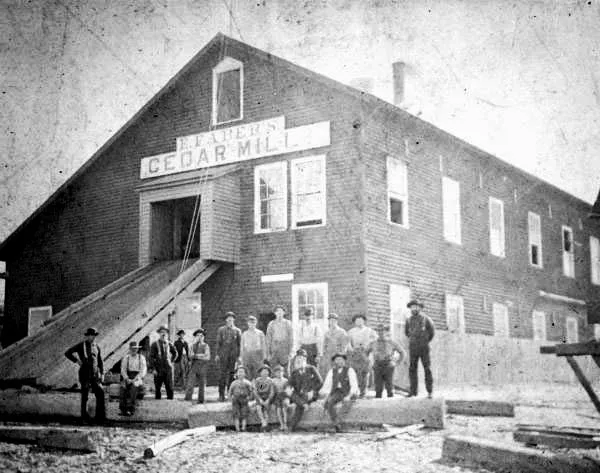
(556, 440)
(505, 456)
(573, 349)
(397, 411)
(548, 349)
(175, 439)
(552, 429)
(584, 382)
(71, 439)
(480, 408)
(393, 432)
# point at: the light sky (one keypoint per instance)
(517, 79)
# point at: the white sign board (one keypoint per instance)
(235, 144)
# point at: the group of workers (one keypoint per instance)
(266, 368)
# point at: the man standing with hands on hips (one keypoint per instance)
(420, 331)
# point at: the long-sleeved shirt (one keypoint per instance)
(241, 389)
(162, 354)
(305, 379)
(328, 384)
(134, 363)
(311, 335)
(253, 340)
(361, 337)
(228, 341)
(264, 389)
(383, 350)
(90, 357)
(182, 349)
(335, 341)
(419, 329)
(279, 333)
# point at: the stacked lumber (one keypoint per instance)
(557, 437)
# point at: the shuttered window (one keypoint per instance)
(308, 191)
(270, 197)
(501, 321)
(451, 210)
(455, 314)
(397, 191)
(535, 240)
(568, 252)
(595, 259)
(497, 245)
(228, 79)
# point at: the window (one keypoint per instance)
(37, 317)
(228, 85)
(538, 319)
(572, 335)
(597, 332)
(455, 314)
(397, 191)
(497, 247)
(313, 296)
(535, 240)
(501, 323)
(399, 297)
(451, 209)
(595, 259)
(568, 252)
(308, 191)
(270, 197)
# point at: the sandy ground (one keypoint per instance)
(121, 449)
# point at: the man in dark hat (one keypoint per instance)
(182, 360)
(162, 354)
(133, 370)
(361, 337)
(340, 385)
(229, 339)
(91, 372)
(304, 385)
(200, 356)
(420, 331)
(385, 354)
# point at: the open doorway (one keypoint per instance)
(171, 228)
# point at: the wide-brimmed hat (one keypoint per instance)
(91, 331)
(229, 314)
(338, 355)
(309, 312)
(163, 328)
(265, 367)
(200, 330)
(356, 316)
(302, 352)
(179, 332)
(415, 302)
(134, 345)
(333, 315)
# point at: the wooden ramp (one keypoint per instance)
(125, 310)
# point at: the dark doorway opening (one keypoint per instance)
(263, 320)
(171, 228)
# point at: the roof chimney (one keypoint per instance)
(398, 71)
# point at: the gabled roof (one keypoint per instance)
(223, 41)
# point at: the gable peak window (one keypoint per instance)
(227, 91)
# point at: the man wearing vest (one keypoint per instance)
(162, 354)
(91, 372)
(304, 384)
(420, 331)
(133, 370)
(200, 355)
(182, 360)
(229, 339)
(340, 385)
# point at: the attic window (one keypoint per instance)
(228, 86)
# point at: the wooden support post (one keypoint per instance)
(584, 382)
(177, 438)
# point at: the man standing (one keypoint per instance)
(254, 349)
(133, 370)
(311, 338)
(335, 341)
(280, 340)
(162, 354)
(304, 385)
(200, 356)
(91, 372)
(385, 354)
(420, 331)
(340, 385)
(361, 337)
(182, 360)
(228, 352)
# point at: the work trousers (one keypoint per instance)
(421, 352)
(359, 360)
(164, 376)
(181, 368)
(128, 397)
(93, 385)
(331, 402)
(226, 372)
(384, 376)
(300, 402)
(196, 377)
(253, 361)
(280, 356)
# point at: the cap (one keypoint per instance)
(200, 330)
(163, 328)
(415, 302)
(133, 345)
(278, 307)
(229, 314)
(265, 367)
(302, 352)
(333, 315)
(277, 368)
(91, 331)
(251, 318)
(179, 332)
(339, 355)
(309, 312)
(356, 316)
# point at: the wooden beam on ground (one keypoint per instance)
(399, 411)
(504, 456)
(584, 382)
(553, 429)
(71, 439)
(555, 440)
(573, 349)
(393, 432)
(175, 439)
(480, 408)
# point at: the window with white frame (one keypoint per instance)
(451, 209)
(37, 317)
(308, 191)
(535, 240)
(538, 319)
(455, 313)
(228, 96)
(399, 297)
(501, 322)
(572, 330)
(270, 197)
(497, 245)
(314, 296)
(568, 252)
(595, 259)
(397, 185)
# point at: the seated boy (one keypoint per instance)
(264, 392)
(240, 393)
(281, 400)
